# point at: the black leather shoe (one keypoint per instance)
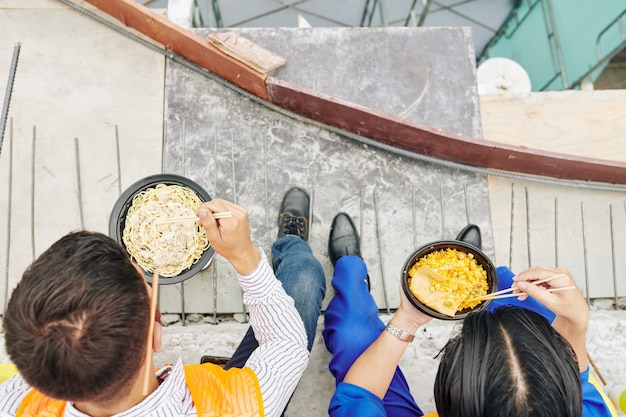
(293, 218)
(343, 239)
(471, 234)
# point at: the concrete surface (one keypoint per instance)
(77, 79)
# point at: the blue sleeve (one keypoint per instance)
(351, 400)
(593, 401)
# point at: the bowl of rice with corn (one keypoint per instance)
(446, 279)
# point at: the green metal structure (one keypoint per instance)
(561, 43)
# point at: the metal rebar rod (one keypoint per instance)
(8, 224)
(119, 164)
(582, 215)
(413, 216)
(32, 193)
(467, 214)
(183, 158)
(511, 226)
(380, 253)
(183, 314)
(267, 198)
(361, 211)
(215, 254)
(232, 164)
(443, 223)
(311, 201)
(8, 92)
(613, 256)
(79, 184)
(556, 232)
(530, 263)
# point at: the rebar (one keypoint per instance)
(613, 256)
(8, 225)
(582, 215)
(528, 227)
(511, 227)
(32, 193)
(8, 92)
(79, 184)
(556, 232)
(380, 253)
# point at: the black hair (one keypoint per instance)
(508, 363)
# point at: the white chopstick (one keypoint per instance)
(495, 295)
(182, 219)
(485, 298)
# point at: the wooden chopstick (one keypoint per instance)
(148, 360)
(496, 294)
(218, 215)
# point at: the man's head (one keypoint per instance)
(508, 363)
(77, 323)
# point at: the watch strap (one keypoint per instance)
(400, 334)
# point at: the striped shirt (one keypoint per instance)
(278, 362)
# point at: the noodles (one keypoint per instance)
(169, 247)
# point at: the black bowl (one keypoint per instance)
(482, 260)
(123, 203)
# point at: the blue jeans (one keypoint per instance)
(303, 279)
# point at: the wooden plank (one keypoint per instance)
(248, 52)
(583, 123)
(437, 143)
(185, 43)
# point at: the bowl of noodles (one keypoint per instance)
(446, 279)
(177, 250)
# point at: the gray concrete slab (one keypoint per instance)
(241, 150)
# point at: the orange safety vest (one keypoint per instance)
(215, 392)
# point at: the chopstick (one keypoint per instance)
(485, 298)
(218, 215)
(496, 295)
(148, 360)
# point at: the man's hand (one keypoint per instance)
(230, 237)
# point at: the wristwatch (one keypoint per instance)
(400, 334)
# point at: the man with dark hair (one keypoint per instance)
(508, 361)
(77, 325)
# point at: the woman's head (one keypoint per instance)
(509, 362)
(77, 323)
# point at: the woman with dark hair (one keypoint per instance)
(508, 361)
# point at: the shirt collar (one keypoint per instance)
(170, 396)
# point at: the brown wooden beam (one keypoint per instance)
(424, 140)
(185, 43)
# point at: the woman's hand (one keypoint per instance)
(569, 304)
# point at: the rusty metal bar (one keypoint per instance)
(8, 92)
(8, 225)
